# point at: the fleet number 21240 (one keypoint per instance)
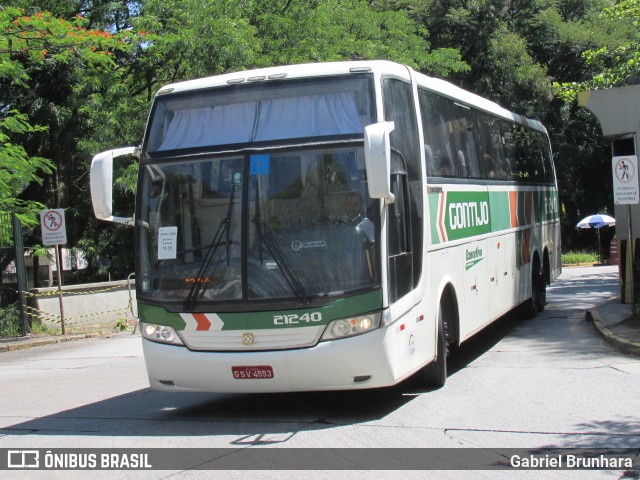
(294, 318)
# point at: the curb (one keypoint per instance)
(621, 343)
(38, 342)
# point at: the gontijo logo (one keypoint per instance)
(468, 214)
(463, 215)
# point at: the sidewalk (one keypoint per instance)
(22, 343)
(613, 321)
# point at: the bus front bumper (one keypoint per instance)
(353, 363)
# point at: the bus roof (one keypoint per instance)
(380, 67)
(470, 99)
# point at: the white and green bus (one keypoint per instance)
(330, 226)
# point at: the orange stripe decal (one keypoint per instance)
(203, 322)
(513, 207)
(441, 229)
(528, 207)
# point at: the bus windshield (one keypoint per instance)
(257, 227)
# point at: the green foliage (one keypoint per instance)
(493, 38)
(126, 181)
(333, 30)
(579, 258)
(515, 72)
(611, 63)
(233, 35)
(38, 328)
(17, 168)
(48, 66)
(121, 325)
(9, 322)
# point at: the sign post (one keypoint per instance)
(54, 232)
(626, 192)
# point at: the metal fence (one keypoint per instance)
(13, 278)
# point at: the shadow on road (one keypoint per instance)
(249, 417)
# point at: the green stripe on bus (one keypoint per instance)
(341, 308)
(499, 209)
(433, 209)
(471, 213)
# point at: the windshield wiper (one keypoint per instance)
(265, 236)
(199, 286)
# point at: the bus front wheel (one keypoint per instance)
(434, 375)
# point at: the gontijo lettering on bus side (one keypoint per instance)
(458, 215)
(461, 215)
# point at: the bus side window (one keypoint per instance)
(485, 142)
(547, 159)
(399, 106)
(465, 131)
(508, 150)
(436, 118)
(429, 159)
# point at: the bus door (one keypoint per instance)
(468, 221)
(476, 287)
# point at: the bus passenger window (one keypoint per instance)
(429, 159)
(445, 167)
(436, 119)
(490, 166)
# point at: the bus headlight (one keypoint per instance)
(348, 327)
(160, 333)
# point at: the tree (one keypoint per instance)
(605, 55)
(52, 70)
(519, 51)
(189, 41)
(311, 31)
(17, 169)
(611, 64)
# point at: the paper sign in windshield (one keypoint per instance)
(167, 243)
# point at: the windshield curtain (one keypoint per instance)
(258, 227)
(261, 112)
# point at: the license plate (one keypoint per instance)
(251, 373)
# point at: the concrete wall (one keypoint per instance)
(93, 304)
(617, 109)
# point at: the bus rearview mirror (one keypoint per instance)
(101, 182)
(377, 155)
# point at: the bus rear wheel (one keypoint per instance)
(538, 298)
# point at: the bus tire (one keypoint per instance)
(434, 375)
(538, 298)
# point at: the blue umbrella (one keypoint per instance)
(596, 221)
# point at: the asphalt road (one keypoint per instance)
(523, 384)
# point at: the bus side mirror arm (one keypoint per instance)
(377, 156)
(101, 182)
